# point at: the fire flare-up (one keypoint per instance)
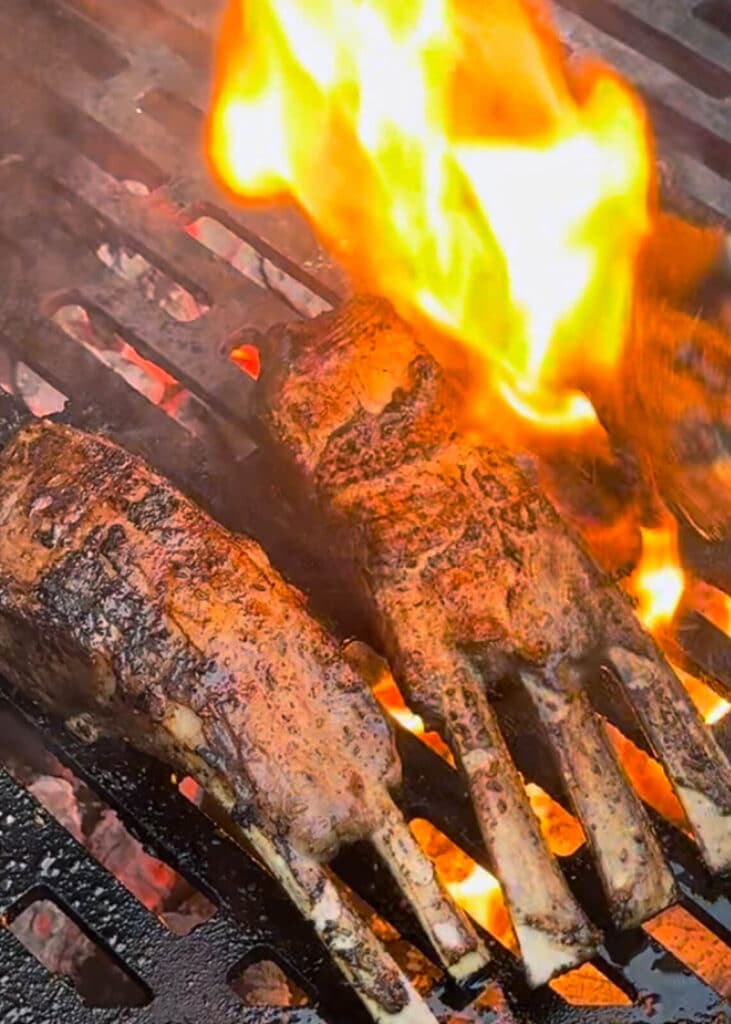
(658, 581)
(658, 585)
(443, 150)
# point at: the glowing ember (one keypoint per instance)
(658, 582)
(248, 359)
(445, 153)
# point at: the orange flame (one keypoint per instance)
(445, 153)
(389, 697)
(712, 707)
(658, 581)
(716, 607)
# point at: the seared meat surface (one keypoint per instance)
(124, 603)
(152, 612)
(470, 575)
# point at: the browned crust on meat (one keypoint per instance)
(120, 597)
(455, 544)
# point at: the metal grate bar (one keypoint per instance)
(119, 924)
(701, 121)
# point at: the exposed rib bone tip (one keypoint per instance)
(697, 767)
(635, 878)
(447, 926)
(546, 955)
(716, 830)
(469, 964)
(415, 1012)
(375, 977)
(640, 907)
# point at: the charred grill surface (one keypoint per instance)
(127, 609)
(470, 575)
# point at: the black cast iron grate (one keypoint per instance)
(100, 146)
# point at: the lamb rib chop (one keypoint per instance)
(122, 602)
(470, 575)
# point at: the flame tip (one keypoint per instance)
(479, 181)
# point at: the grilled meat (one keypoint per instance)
(669, 405)
(671, 408)
(125, 604)
(469, 574)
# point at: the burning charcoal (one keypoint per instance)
(53, 938)
(245, 258)
(265, 984)
(153, 283)
(164, 628)
(101, 832)
(59, 798)
(60, 945)
(469, 575)
(41, 397)
(149, 879)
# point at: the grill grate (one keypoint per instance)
(100, 146)
(254, 916)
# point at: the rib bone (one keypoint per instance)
(387, 994)
(552, 930)
(447, 928)
(695, 764)
(637, 882)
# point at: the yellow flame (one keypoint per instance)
(445, 152)
(712, 707)
(474, 888)
(719, 710)
(389, 696)
(658, 581)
